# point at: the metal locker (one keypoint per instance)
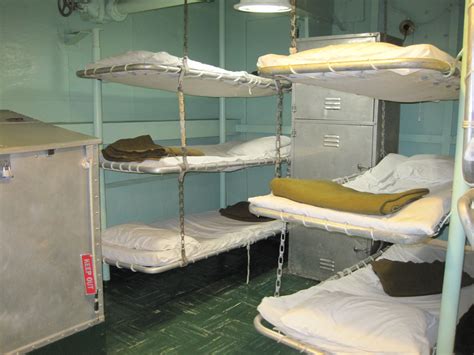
(49, 232)
(335, 134)
(313, 252)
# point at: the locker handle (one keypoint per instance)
(358, 250)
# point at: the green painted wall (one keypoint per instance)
(38, 79)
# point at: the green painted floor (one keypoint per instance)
(205, 308)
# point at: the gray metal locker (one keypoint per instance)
(335, 134)
(50, 258)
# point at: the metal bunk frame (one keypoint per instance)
(139, 168)
(177, 264)
(464, 217)
(347, 229)
(233, 79)
(376, 64)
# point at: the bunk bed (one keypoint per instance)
(162, 70)
(416, 73)
(382, 71)
(227, 157)
(153, 248)
(419, 220)
(353, 314)
(148, 248)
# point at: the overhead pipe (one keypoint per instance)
(101, 11)
(468, 124)
(456, 238)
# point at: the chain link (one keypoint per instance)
(184, 260)
(279, 121)
(293, 27)
(182, 126)
(383, 153)
(281, 259)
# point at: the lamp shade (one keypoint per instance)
(263, 6)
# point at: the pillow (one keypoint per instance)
(144, 237)
(361, 323)
(408, 279)
(259, 146)
(434, 169)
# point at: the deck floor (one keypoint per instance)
(205, 308)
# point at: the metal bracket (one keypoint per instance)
(6, 172)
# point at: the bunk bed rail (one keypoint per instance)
(376, 64)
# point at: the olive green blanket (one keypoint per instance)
(328, 194)
(142, 148)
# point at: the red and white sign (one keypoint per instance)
(88, 270)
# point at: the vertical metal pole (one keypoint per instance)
(98, 124)
(222, 113)
(457, 238)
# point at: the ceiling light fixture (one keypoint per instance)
(263, 6)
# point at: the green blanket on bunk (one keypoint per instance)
(328, 194)
(142, 148)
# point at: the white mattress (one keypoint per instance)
(228, 156)
(374, 322)
(394, 173)
(161, 71)
(209, 233)
(399, 84)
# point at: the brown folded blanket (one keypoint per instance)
(408, 279)
(142, 148)
(328, 194)
(240, 212)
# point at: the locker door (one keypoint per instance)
(326, 151)
(312, 102)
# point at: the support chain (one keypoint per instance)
(279, 121)
(182, 126)
(281, 259)
(293, 27)
(383, 153)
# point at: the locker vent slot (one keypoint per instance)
(332, 103)
(327, 264)
(331, 140)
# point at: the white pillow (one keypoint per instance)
(259, 146)
(435, 169)
(144, 237)
(361, 324)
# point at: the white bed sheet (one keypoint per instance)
(218, 157)
(364, 284)
(161, 71)
(393, 174)
(406, 85)
(210, 230)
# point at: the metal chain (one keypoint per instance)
(182, 126)
(293, 27)
(280, 260)
(383, 153)
(184, 260)
(279, 123)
